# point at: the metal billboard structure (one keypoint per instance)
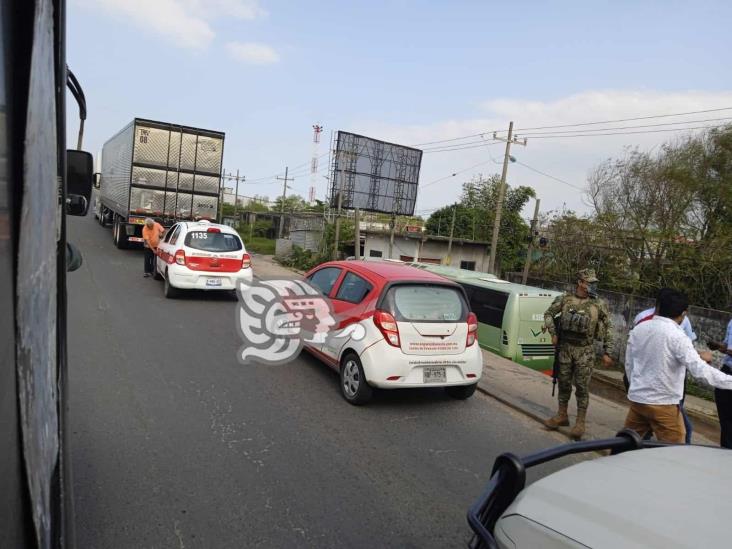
(373, 175)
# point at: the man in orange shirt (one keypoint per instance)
(151, 233)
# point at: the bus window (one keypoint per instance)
(488, 305)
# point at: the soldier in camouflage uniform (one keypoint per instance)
(582, 318)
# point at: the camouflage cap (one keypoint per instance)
(588, 275)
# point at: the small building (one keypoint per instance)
(417, 246)
(306, 231)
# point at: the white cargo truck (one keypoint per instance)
(155, 169)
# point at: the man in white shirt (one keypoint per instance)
(657, 358)
(647, 315)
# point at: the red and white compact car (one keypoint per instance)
(199, 255)
(417, 329)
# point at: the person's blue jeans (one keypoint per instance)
(687, 424)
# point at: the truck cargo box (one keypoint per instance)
(162, 170)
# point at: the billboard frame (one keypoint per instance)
(344, 174)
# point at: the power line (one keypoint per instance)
(626, 133)
(549, 176)
(579, 124)
(625, 119)
(628, 127)
(460, 148)
(454, 174)
(481, 134)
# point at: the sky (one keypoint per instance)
(409, 72)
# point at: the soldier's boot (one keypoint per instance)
(579, 427)
(561, 419)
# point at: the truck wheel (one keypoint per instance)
(171, 292)
(120, 239)
(461, 392)
(354, 387)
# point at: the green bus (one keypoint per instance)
(510, 316)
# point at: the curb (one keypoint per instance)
(709, 419)
(523, 410)
(511, 404)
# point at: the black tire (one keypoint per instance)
(120, 235)
(461, 392)
(354, 387)
(171, 292)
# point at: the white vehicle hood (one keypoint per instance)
(678, 496)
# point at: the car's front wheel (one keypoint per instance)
(354, 387)
(461, 392)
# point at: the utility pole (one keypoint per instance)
(357, 233)
(236, 199)
(337, 226)
(220, 217)
(501, 192)
(284, 195)
(534, 223)
(452, 230)
(391, 235)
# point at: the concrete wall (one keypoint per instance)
(283, 247)
(707, 323)
(429, 250)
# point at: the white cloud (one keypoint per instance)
(186, 23)
(240, 9)
(252, 53)
(569, 159)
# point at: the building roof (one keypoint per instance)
(426, 237)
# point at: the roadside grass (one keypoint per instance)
(258, 244)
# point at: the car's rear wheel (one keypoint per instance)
(171, 292)
(354, 387)
(461, 392)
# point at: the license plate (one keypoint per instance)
(213, 282)
(434, 375)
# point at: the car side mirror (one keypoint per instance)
(79, 181)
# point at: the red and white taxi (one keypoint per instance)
(199, 255)
(416, 329)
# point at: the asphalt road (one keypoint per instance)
(175, 444)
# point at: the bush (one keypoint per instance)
(301, 259)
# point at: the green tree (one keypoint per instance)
(474, 215)
(668, 216)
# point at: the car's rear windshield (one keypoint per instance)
(212, 242)
(425, 303)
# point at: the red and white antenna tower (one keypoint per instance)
(317, 130)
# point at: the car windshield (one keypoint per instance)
(213, 242)
(426, 303)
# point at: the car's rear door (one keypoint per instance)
(324, 280)
(165, 247)
(352, 300)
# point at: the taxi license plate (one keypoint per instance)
(434, 375)
(213, 282)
